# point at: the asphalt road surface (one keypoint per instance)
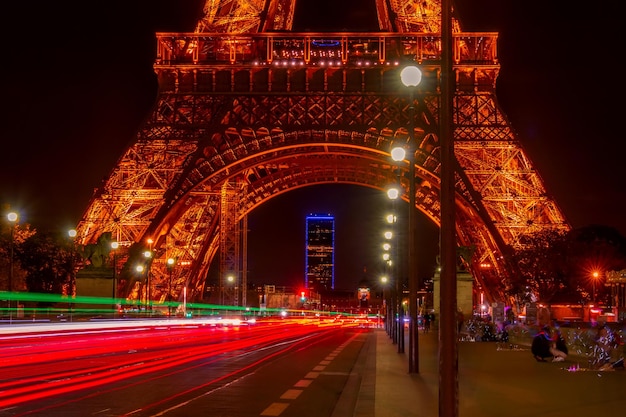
(281, 369)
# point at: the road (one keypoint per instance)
(271, 368)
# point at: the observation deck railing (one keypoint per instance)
(322, 49)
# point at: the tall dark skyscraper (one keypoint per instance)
(320, 252)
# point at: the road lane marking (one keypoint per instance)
(303, 383)
(275, 409)
(291, 394)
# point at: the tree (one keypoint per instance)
(21, 232)
(49, 263)
(554, 262)
(541, 262)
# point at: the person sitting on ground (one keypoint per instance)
(544, 346)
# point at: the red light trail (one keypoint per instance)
(119, 358)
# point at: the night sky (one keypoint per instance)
(78, 83)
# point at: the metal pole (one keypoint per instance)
(394, 312)
(169, 295)
(393, 320)
(11, 272)
(400, 317)
(399, 293)
(389, 315)
(113, 290)
(413, 280)
(594, 277)
(114, 276)
(448, 348)
(399, 309)
(148, 294)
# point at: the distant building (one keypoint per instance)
(320, 252)
(616, 281)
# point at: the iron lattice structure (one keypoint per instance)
(248, 110)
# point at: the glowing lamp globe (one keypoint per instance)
(398, 153)
(411, 76)
(393, 193)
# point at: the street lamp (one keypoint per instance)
(140, 269)
(13, 218)
(72, 287)
(114, 247)
(393, 193)
(595, 276)
(383, 281)
(411, 76)
(230, 280)
(148, 255)
(171, 262)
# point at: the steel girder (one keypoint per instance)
(242, 16)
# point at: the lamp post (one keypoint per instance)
(391, 316)
(393, 193)
(393, 328)
(595, 276)
(148, 255)
(230, 289)
(140, 269)
(114, 247)
(384, 280)
(411, 77)
(12, 217)
(170, 267)
(72, 290)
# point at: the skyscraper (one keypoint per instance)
(320, 252)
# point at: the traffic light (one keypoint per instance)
(302, 297)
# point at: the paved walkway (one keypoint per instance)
(492, 383)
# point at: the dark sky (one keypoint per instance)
(78, 82)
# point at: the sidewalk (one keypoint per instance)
(492, 382)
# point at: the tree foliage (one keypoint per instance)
(21, 232)
(49, 264)
(541, 264)
(554, 263)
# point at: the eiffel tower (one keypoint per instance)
(247, 109)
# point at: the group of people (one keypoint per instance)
(548, 344)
